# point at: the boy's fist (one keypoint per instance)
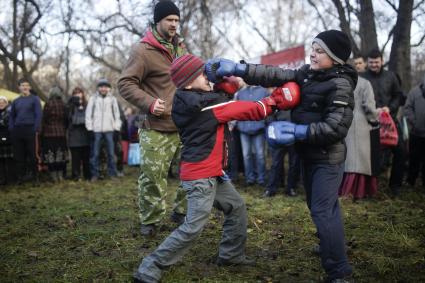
(287, 96)
(229, 85)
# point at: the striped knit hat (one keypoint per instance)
(185, 69)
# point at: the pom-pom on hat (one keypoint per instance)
(185, 69)
(336, 44)
(164, 9)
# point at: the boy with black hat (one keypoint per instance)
(201, 117)
(318, 128)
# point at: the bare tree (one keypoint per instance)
(20, 42)
(400, 50)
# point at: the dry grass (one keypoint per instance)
(84, 232)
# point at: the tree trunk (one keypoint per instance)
(400, 49)
(369, 39)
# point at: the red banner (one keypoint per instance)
(291, 58)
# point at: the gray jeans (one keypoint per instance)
(201, 196)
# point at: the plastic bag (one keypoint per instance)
(133, 154)
(388, 131)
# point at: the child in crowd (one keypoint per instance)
(201, 117)
(318, 127)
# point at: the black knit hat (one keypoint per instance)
(336, 44)
(163, 9)
(103, 82)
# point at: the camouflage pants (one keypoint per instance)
(157, 150)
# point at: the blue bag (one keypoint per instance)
(134, 154)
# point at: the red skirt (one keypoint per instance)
(358, 185)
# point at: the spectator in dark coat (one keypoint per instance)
(387, 91)
(53, 135)
(24, 126)
(414, 112)
(7, 171)
(78, 136)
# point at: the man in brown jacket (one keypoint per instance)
(146, 83)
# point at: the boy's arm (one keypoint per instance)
(263, 75)
(240, 110)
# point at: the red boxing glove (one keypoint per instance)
(287, 96)
(229, 85)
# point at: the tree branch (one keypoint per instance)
(392, 5)
(419, 42)
(319, 14)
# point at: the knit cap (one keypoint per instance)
(185, 69)
(164, 9)
(336, 44)
(103, 82)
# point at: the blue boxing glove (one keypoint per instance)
(276, 137)
(217, 68)
(285, 133)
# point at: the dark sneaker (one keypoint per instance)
(291, 193)
(268, 194)
(148, 230)
(245, 261)
(177, 217)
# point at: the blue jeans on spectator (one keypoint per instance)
(277, 170)
(97, 143)
(254, 158)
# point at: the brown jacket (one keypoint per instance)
(145, 78)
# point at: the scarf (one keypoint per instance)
(175, 47)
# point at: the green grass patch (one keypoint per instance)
(89, 232)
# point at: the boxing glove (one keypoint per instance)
(287, 96)
(229, 85)
(276, 137)
(217, 68)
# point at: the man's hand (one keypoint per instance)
(158, 107)
(217, 68)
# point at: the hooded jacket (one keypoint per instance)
(327, 104)
(102, 114)
(145, 78)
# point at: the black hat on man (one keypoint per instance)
(336, 44)
(103, 82)
(164, 9)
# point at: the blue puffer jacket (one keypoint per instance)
(251, 93)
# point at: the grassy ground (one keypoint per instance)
(84, 232)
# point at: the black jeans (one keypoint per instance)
(23, 142)
(80, 156)
(416, 159)
(321, 183)
(277, 170)
(398, 163)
